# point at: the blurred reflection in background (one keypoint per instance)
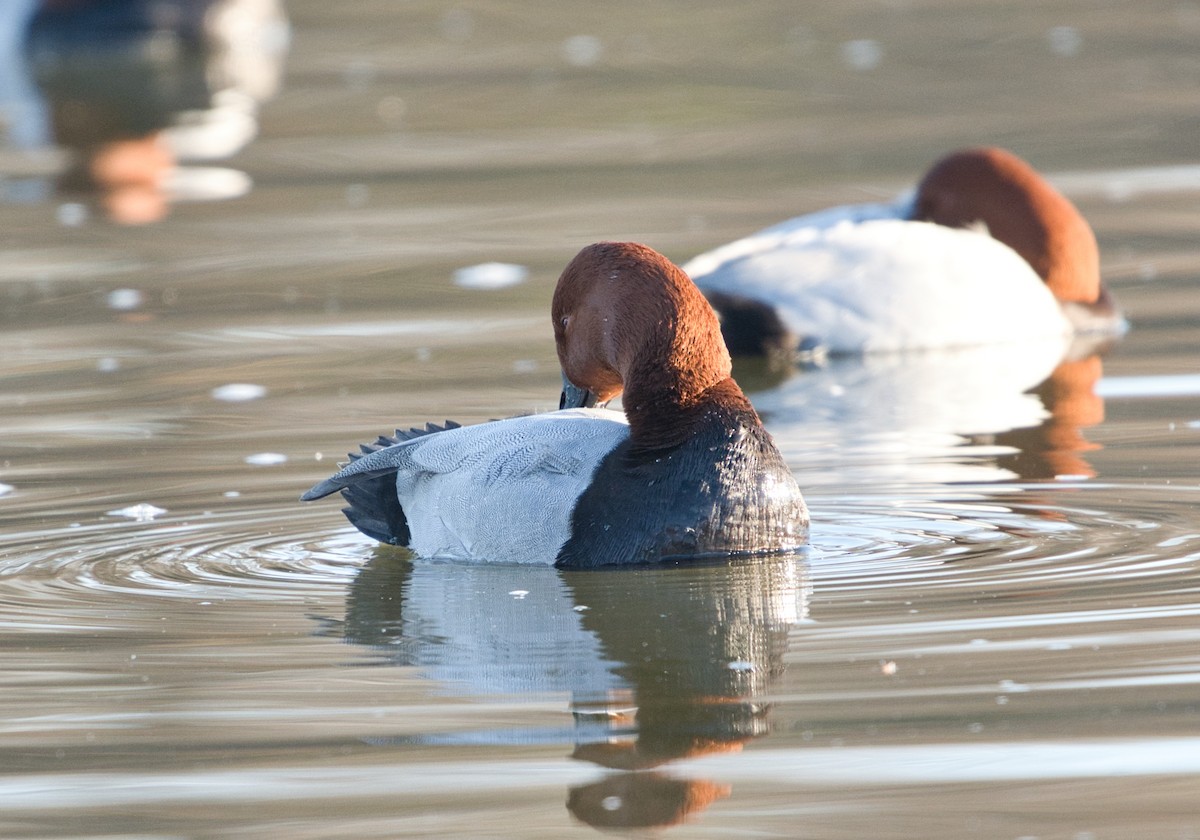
(1055, 449)
(133, 91)
(974, 414)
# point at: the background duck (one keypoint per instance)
(984, 251)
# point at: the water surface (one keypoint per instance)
(993, 633)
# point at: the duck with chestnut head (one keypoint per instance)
(985, 251)
(687, 472)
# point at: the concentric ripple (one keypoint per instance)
(988, 537)
(1010, 536)
(264, 554)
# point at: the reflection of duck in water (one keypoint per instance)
(660, 663)
(985, 252)
(950, 416)
(137, 87)
(1055, 447)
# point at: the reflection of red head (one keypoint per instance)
(642, 800)
(1056, 448)
(129, 176)
(626, 755)
(1070, 395)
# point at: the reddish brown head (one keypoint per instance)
(626, 318)
(1020, 209)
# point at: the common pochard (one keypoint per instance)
(985, 251)
(688, 471)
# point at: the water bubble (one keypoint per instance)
(143, 512)
(71, 214)
(490, 275)
(107, 364)
(124, 300)
(238, 392)
(862, 54)
(266, 459)
(582, 50)
(1065, 41)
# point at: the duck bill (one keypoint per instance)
(575, 397)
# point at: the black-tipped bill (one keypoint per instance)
(575, 397)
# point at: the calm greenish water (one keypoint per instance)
(995, 632)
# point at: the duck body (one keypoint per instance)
(723, 491)
(984, 252)
(686, 472)
(501, 490)
(856, 280)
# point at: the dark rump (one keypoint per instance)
(751, 327)
(373, 506)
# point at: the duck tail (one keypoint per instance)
(372, 507)
(372, 504)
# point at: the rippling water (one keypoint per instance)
(993, 633)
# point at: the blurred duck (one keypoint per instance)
(687, 471)
(137, 90)
(984, 252)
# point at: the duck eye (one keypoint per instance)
(566, 320)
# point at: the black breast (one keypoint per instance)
(724, 491)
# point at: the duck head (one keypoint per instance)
(997, 189)
(626, 319)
